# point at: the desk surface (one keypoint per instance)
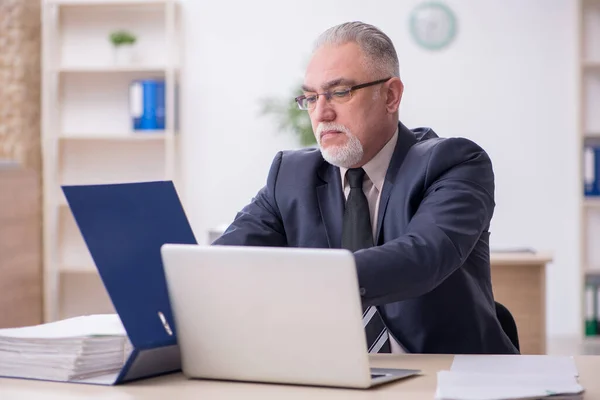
(175, 386)
(524, 258)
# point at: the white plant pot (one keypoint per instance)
(123, 54)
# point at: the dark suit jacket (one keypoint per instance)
(429, 274)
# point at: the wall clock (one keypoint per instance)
(433, 25)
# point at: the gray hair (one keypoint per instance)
(377, 46)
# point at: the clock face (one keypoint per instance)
(433, 25)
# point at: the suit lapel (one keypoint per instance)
(405, 141)
(331, 203)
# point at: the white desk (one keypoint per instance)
(176, 387)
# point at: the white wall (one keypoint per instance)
(509, 82)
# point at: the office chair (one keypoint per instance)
(508, 324)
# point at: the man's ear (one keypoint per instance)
(395, 88)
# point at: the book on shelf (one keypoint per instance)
(591, 169)
(147, 104)
(592, 309)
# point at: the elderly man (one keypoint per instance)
(414, 208)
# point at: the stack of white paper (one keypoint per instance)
(68, 350)
(499, 377)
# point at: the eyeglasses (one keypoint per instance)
(339, 94)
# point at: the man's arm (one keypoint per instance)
(457, 207)
(259, 223)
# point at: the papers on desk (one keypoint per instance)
(510, 364)
(74, 349)
(498, 377)
(453, 385)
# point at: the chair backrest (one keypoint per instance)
(508, 324)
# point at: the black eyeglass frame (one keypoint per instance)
(328, 94)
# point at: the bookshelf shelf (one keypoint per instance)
(110, 69)
(592, 203)
(145, 136)
(595, 340)
(106, 3)
(593, 272)
(590, 65)
(87, 126)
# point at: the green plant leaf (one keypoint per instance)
(290, 118)
(121, 37)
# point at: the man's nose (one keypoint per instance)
(323, 110)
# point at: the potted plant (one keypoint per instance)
(290, 118)
(123, 42)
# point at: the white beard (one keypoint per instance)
(345, 155)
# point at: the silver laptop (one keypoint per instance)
(267, 314)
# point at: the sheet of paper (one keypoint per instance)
(495, 386)
(89, 325)
(516, 364)
(108, 379)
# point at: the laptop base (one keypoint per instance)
(380, 376)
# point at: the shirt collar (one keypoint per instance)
(376, 168)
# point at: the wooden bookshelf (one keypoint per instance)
(87, 130)
(588, 133)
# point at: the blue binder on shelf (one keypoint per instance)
(147, 104)
(124, 226)
(591, 170)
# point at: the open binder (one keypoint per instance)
(124, 227)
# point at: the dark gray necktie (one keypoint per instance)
(357, 234)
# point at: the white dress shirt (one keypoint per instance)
(375, 171)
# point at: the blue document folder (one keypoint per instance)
(591, 170)
(147, 104)
(124, 226)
